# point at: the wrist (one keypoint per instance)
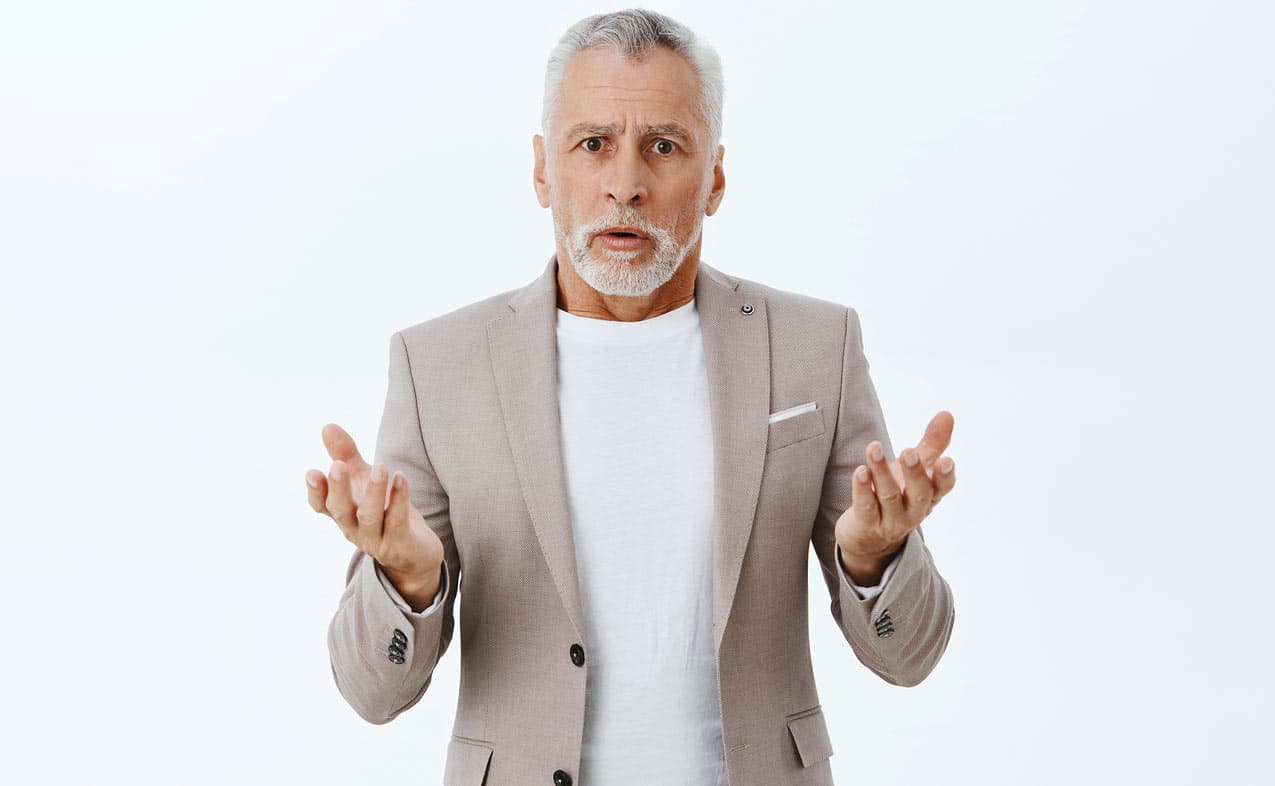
(417, 589)
(866, 569)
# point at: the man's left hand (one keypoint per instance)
(890, 500)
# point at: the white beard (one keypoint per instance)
(615, 272)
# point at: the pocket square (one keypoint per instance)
(784, 414)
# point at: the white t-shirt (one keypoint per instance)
(637, 450)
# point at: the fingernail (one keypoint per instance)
(947, 465)
(398, 481)
(861, 474)
(337, 474)
(378, 474)
(311, 482)
(877, 453)
(910, 458)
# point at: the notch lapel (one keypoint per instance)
(524, 355)
(524, 358)
(737, 352)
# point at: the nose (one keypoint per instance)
(627, 176)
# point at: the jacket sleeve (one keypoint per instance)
(383, 656)
(901, 632)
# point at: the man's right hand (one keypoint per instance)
(385, 526)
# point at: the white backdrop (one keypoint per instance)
(1054, 218)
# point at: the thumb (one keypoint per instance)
(340, 446)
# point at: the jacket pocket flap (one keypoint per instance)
(810, 733)
(466, 763)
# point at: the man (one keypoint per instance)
(625, 463)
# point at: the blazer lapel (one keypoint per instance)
(737, 352)
(524, 357)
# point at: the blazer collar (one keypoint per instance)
(523, 345)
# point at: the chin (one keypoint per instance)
(620, 257)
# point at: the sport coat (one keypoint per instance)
(471, 417)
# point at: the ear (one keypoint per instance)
(538, 170)
(719, 183)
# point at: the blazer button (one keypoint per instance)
(577, 657)
(400, 637)
(747, 308)
(396, 657)
(561, 778)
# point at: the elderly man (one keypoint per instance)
(625, 463)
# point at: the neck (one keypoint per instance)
(577, 297)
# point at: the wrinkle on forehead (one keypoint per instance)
(613, 113)
(658, 90)
(598, 82)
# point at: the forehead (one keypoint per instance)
(599, 85)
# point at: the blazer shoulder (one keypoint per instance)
(460, 325)
(800, 313)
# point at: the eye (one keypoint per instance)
(671, 146)
(597, 139)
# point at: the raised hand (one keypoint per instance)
(375, 513)
(890, 500)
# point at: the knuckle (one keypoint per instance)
(367, 515)
(344, 523)
(342, 511)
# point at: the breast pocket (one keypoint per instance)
(788, 430)
(467, 762)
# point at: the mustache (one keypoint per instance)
(622, 218)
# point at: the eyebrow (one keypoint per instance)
(600, 129)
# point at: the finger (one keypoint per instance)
(918, 491)
(864, 501)
(316, 484)
(397, 511)
(339, 503)
(340, 446)
(938, 435)
(944, 481)
(889, 495)
(371, 511)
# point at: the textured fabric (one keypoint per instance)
(861, 591)
(472, 418)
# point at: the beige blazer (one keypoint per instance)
(471, 417)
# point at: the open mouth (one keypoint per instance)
(623, 240)
(624, 232)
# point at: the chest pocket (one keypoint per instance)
(783, 433)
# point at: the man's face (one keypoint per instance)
(628, 147)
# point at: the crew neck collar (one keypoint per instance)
(616, 331)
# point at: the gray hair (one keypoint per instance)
(634, 32)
